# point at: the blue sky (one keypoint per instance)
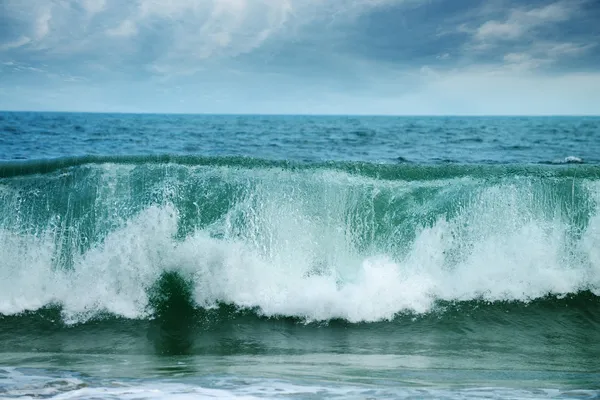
(406, 57)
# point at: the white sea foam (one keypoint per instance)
(27, 385)
(272, 252)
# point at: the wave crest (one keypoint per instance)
(316, 244)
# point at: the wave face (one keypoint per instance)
(358, 242)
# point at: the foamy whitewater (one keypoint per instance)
(300, 244)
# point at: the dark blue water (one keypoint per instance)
(26, 136)
(180, 256)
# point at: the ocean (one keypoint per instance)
(304, 257)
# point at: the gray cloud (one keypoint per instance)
(393, 54)
(538, 37)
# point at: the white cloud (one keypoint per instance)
(553, 12)
(202, 30)
(523, 61)
(42, 23)
(519, 36)
(544, 54)
(21, 41)
(499, 30)
(93, 6)
(185, 33)
(34, 22)
(124, 29)
(206, 28)
(517, 58)
(557, 50)
(521, 21)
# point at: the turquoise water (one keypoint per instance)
(148, 256)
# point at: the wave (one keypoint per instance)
(356, 242)
(401, 170)
(171, 304)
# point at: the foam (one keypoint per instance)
(295, 257)
(23, 384)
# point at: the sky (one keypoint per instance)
(376, 57)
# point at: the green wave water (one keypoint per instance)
(351, 241)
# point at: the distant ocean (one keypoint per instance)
(176, 257)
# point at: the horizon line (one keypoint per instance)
(245, 114)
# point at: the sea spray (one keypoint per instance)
(357, 242)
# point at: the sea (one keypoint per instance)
(149, 256)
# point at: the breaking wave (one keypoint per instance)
(353, 241)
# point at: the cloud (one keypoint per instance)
(93, 6)
(125, 28)
(21, 41)
(521, 21)
(282, 54)
(32, 24)
(208, 30)
(176, 36)
(211, 29)
(544, 55)
(533, 37)
(42, 24)
(200, 28)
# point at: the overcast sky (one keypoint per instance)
(301, 56)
